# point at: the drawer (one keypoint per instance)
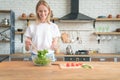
(70, 58)
(103, 59)
(76, 59)
(59, 59)
(84, 59)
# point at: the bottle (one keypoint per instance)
(5, 21)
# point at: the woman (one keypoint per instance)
(43, 34)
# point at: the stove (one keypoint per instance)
(82, 52)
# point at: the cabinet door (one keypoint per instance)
(76, 58)
(69, 58)
(84, 59)
(103, 59)
(59, 59)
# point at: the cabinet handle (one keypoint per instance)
(70, 59)
(83, 59)
(77, 59)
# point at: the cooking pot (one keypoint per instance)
(82, 52)
(118, 30)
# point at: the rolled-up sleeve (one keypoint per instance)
(28, 32)
(56, 31)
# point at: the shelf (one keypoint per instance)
(107, 33)
(18, 32)
(107, 19)
(5, 11)
(11, 28)
(4, 41)
(21, 33)
(27, 18)
(55, 19)
(33, 18)
(4, 26)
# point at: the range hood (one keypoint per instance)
(75, 16)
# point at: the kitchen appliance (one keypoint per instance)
(75, 15)
(69, 50)
(82, 52)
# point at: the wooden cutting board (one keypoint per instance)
(65, 37)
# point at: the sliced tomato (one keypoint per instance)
(76, 64)
(67, 65)
(72, 64)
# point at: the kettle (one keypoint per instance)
(69, 50)
(5, 21)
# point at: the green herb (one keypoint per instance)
(41, 58)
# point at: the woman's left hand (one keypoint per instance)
(27, 43)
(54, 45)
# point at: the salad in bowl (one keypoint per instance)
(42, 59)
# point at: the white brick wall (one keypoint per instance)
(60, 8)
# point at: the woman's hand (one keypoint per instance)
(27, 43)
(54, 45)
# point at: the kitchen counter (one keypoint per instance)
(25, 70)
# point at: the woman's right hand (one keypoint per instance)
(27, 43)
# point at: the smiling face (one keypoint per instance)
(43, 13)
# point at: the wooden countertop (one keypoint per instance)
(25, 70)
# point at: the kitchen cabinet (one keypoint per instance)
(59, 59)
(7, 32)
(103, 59)
(20, 56)
(106, 20)
(76, 58)
(91, 57)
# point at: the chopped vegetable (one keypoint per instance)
(41, 58)
(67, 65)
(86, 66)
(72, 64)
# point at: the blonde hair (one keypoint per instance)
(43, 2)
